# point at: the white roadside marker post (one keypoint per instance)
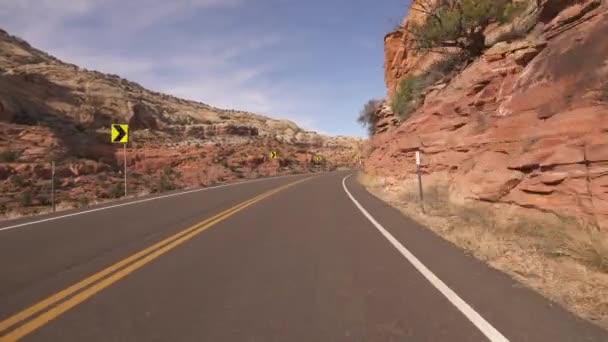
(125, 162)
(53, 185)
(419, 172)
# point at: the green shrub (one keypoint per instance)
(512, 10)
(19, 180)
(410, 93)
(43, 199)
(459, 23)
(368, 116)
(117, 191)
(83, 202)
(407, 99)
(8, 156)
(165, 183)
(26, 198)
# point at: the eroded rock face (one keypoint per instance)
(52, 111)
(526, 124)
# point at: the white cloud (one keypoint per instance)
(207, 67)
(39, 20)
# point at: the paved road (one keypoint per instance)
(289, 259)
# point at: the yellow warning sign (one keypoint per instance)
(273, 154)
(120, 133)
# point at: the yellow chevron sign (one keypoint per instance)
(120, 133)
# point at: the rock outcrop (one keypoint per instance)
(526, 124)
(53, 111)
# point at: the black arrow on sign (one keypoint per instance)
(121, 133)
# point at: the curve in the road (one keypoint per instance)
(484, 326)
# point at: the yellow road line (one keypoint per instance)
(32, 310)
(136, 261)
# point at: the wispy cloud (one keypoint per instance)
(273, 57)
(205, 69)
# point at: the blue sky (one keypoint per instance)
(315, 62)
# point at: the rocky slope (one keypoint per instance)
(53, 111)
(525, 125)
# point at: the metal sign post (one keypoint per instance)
(120, 134)
(125, 162)
(419, 172)
(53, 185)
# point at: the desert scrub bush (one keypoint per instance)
(475, 215)
(564, 237)
(116, 191)
(408, 97)
(19, 181)
(411, 92)
(436, 198)
(83, 202)
(26, 198)
(101, 177)
(458, 24)
(8, 156)
(582, 242)
(368, 116)
(367, 180)
(136, 175)
(512, 10)
(43, 199)
(166, 183)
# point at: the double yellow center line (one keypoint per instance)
(55, 305)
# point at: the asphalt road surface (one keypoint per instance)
(301, 258)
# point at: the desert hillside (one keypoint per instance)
(54, 111)
(524, 125)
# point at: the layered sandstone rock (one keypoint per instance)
(53, 111)
(525, 125)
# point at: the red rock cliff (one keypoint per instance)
(525, 125)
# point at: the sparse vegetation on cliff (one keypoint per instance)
(368, 116)
(410, 94)
(459, 24)
(408, 97)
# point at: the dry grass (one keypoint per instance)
(565, 260)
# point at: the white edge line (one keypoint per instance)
(141, 201)
(484, 326)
